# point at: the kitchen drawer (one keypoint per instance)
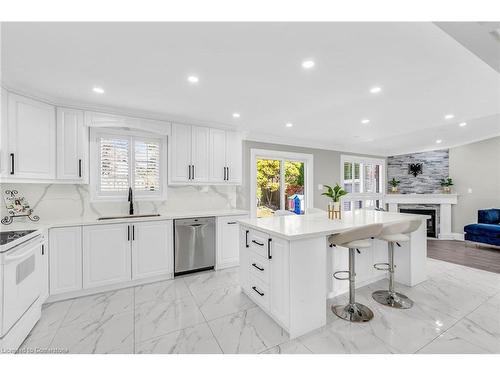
(259, 292)
(259, 267)
(259, 242)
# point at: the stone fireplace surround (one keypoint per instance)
(440, 202)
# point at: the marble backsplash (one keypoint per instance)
(65, 201)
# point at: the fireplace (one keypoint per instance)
(431, 223)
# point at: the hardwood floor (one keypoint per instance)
(456, 252)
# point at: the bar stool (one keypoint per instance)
(394, 234)
(353, 239)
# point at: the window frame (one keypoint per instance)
(95, 159)
(362, 160)
(307, 159)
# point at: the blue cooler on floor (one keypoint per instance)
(487, 229)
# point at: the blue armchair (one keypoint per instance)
(487, 229)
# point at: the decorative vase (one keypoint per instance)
(447, 189)
(394, 189)
(334, 210)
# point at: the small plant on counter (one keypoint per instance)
(334, 194)
(394, 185)
(446, 184)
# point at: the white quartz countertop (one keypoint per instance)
(294, 227)
(70, 222)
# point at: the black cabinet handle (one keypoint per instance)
(232, 222)
(193, 172)
(224, 173)
(133, 232)
(11, 163)
(79, 167)
(257, 291)
(227, 168)
(257, 243)
(269, 256)
(246, 238)
(128, 232)
(189, 172)
(43, 249)
(256, 266)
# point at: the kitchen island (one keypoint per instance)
(286, 265)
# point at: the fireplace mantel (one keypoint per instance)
(443, 200)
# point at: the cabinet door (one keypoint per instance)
(228, 241)
(106, 255)
(152, 249)
(279, 280)
(244, 251)
(233, 157)
(180, 153)
(217, 155)
(4, 140)
(200, 155)
(32, 138)
(65, 259)
(70, 145)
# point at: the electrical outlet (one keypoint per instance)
(469, 190)
(320, 186)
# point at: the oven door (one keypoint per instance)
(21, 281)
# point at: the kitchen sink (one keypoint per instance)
(127, 216)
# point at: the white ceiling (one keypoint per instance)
(255, 69)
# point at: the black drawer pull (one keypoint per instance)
(79, 167)
(256, 266)
(257, 291)
(246, 238)
(269, 256)
(232, 222)
(257, 243)
(11, 163)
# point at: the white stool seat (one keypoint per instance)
(399, 237)
(359, 244)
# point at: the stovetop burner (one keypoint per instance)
(6, 237)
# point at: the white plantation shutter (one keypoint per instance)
(128, 161)
(147, 165)
(114, 168)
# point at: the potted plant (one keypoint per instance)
(394, 185)
(446, 184)
(334, 194)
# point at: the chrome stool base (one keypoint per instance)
(353, 312)
(392, 299)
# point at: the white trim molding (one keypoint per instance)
(443, 200)
(307, 159)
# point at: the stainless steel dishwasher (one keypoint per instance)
(194, 241)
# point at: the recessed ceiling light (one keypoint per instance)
(193, 79)
(236, 115)
(462, 124)
(288, 124)
(449, 116)
(308, 64)
(439, 141)
(365, 121)
(375, 90)
(98, 90)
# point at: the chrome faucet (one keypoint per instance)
(131, 202)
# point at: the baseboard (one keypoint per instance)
(452, 236)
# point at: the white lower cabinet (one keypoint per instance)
(227, 241)
(65, 260)
(106, 254)
(152, 252)
(264, 272)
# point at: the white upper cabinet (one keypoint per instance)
(200, 161)
(180, 154)
(233, 157)
(225, 156)
(32, 139)
(72, 144)
(217, 155)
